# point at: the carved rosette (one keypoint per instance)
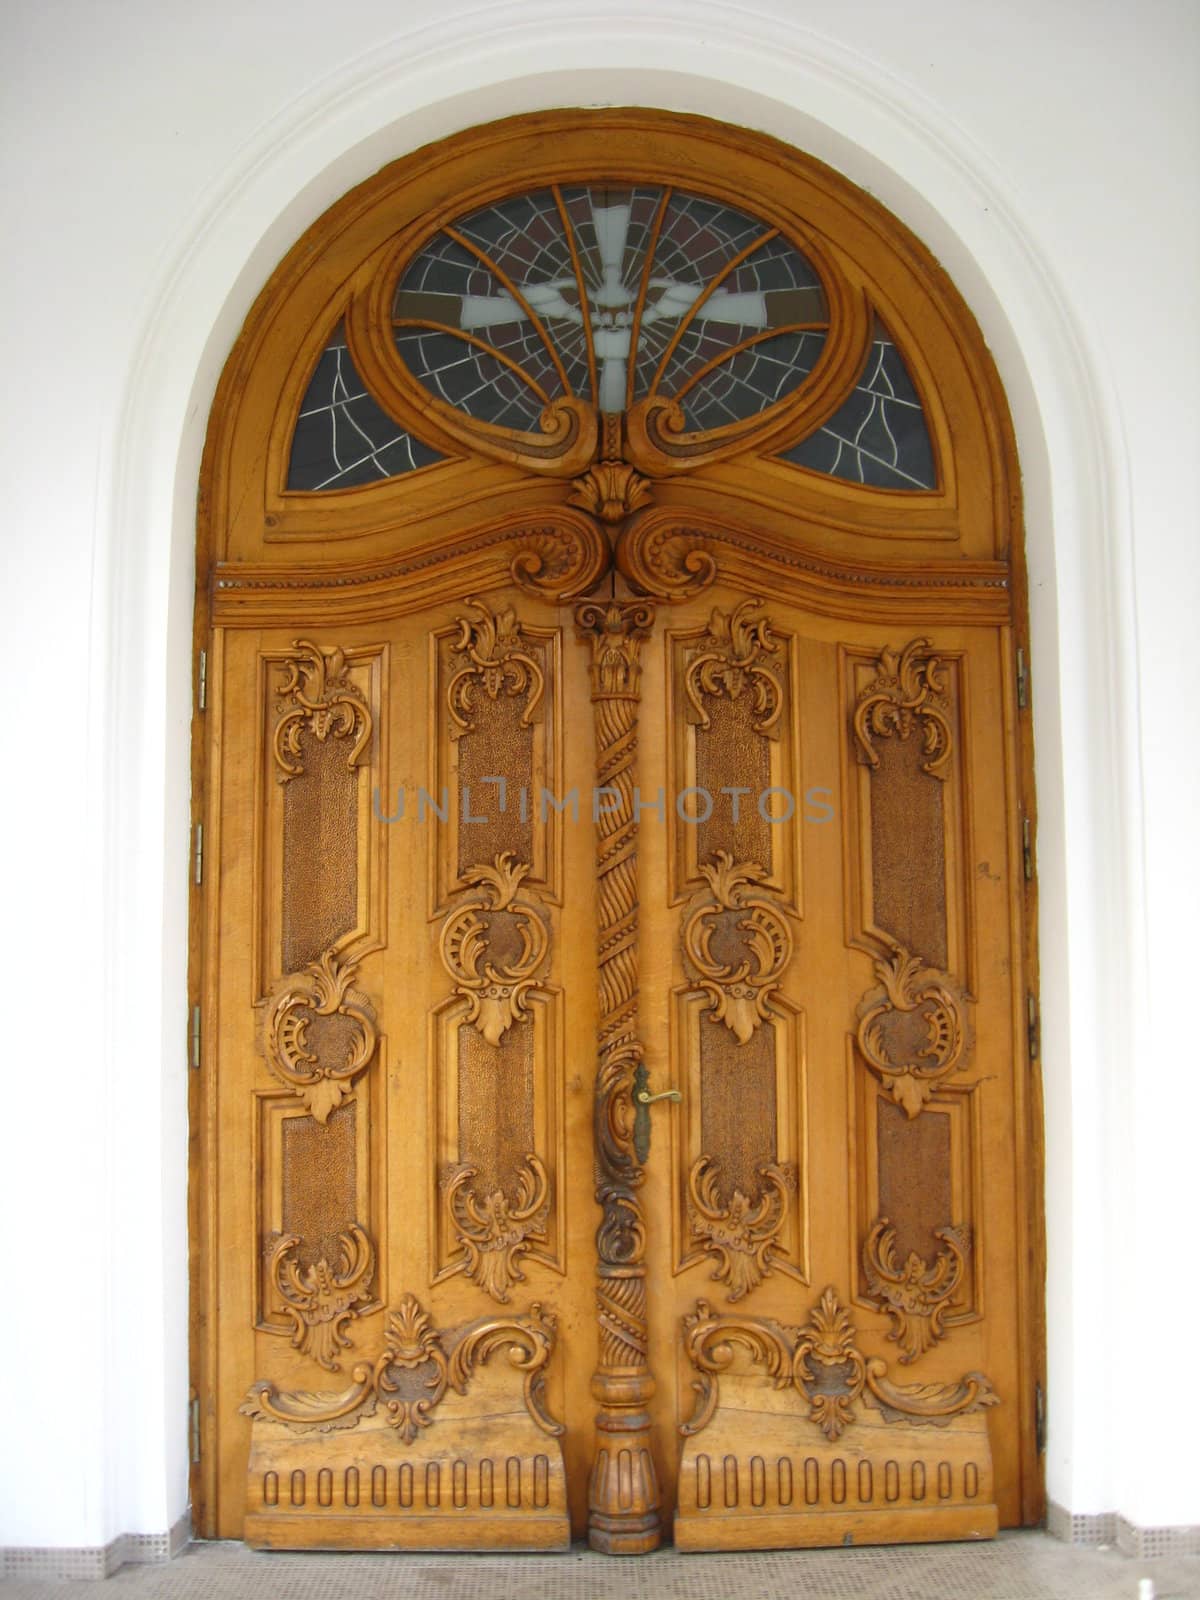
(322, 1298)
(318, 697)
(320, 1000)
(412, 1375)
(736, 943)
(914, 1294)
(738, 655)
(822, 1362)
(493, 1231)
(495, 986)
(742, 1234)
(494, 661)
(912, 1028)
(623, 1505)
(908, 692)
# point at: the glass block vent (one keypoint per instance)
(342, 437)
(611, 294)
(878, 436)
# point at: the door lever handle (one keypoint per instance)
(642, 1100)
(645, 1098)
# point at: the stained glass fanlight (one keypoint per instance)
(617, 299)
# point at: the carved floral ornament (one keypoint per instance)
(914, 1294)
(822, 1362)
(742, 1234)
(493, 1231)
(736, 943)
(495, 660)
(321, 1299)
(495, 986)
(912, 1028)
(907, 693)
(320, 1001)
(738, 655)
(317, 696)
(411, 1377)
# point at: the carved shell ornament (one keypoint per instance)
(736, 943)
(493, 1231)
(495, 986)
(409, 1380)
(320, 1034)
(912, 1029)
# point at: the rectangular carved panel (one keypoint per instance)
(731, 741)
(495, 1058)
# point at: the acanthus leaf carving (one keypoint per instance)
(318, 696)
(493, 1231)
(742, 1234)
(611, 490)
(322, 1298)
(756, 939)
(494, 658)
(823, 1363)
(323, 990)
(914, 1294)
(733, 658)
(410, 1378)
(908, 691)
(495, 987)
(911, 1067)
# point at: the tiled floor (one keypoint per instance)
(1017, 1566)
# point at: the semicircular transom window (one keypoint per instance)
(620, 301)
(610, 294)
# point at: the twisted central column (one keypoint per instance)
(623, 1496)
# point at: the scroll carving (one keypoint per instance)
(322, 1299)
(320, 1070)
(493, 1231)
(495, 985)
(561, 561)
(907, 692)
(623, 1506)
(752, 933)
(914, 1294)
(412, 1375)
(495, 661)
(663, 559)
(822, 1362)
(912, 1028)
(736, 655)
(742, 1235)
(318, 697)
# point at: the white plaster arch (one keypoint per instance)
(844, 108)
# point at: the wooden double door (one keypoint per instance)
(616, 1097)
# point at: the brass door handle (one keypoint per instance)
(642, 1099)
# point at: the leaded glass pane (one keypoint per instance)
(878, 436)
(557, 293)
(342, 438)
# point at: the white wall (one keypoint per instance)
(158, 159)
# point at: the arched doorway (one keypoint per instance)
(610, 551)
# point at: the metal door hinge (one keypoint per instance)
(194, 1427)
(1027, 848)
(1039, 1417)
(198, 855)
(1022, 680)
(202, 681)
(194, 1058)
(1032, 1026)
